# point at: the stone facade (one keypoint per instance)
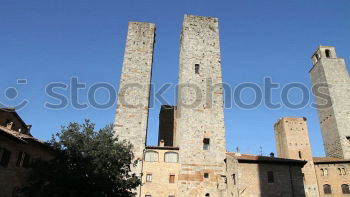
(133, 96)
(292, 141)
(17, 150)
(161, 171)
(200, 132)
(259, 176)
(335, 173)
(334, 119)
(191, 159)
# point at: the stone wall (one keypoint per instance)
(133, 96)
(333, 177)
(292, 142)
(200, 110)
(334, 120)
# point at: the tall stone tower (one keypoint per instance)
(133, 97)
(200, 132)
(334, 119)
(292, 142)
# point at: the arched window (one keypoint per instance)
(328, 53)
(171, 157)
(345, 189)
(343, 172)
(151, 156)
(322, 172)
(325, 172)
(327, 189)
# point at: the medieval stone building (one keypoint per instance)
(191, 158)
(18, 148)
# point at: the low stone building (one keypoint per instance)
(333, 176)
(18, 148)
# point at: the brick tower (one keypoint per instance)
(133, 97)
(200, 132)
(292, 142)
(334, 119)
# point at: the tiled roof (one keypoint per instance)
(20, 136)
(247, 158)
(319, 160)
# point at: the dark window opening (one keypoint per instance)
(270, 177)
(234, 178)
(4, 157)
(328, 53)
(345, 189)
(207, 195)
(317, 56)
(206, 175)
(348, 138)
(196, 68)
(206, 144)
(327, 189)
(300, 156)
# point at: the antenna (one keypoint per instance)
(261, 150)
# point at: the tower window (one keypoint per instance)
(327, 189)
(196, 68)
(300, 155)
(234, 178)
(270, 177)
(317, 56)
(328, 53)
(207, 195)
(148, 177)
(206, 175)
(345, 189)
(206, 144)
(172, 179)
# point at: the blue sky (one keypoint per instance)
(51, 41)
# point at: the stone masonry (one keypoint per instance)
(292, 142)
(133, 96)
(334, 120)
(200, 115)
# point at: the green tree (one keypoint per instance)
(87, 163)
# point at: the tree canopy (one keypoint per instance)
(87, 163)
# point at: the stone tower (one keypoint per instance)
(200, 132)
(334, 119)
(292, 142)
(134, 89)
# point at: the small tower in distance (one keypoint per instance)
(333, 100)
(292, 142)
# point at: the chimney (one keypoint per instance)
(161, 144)
(9, 125)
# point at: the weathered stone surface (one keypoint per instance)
(334, 120)
(133, 96)
(199, 110)
(292, 142)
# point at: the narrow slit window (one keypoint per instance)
(300, 155)
(270, 177)
(172, 179)
(196, 68)
(149, 178)
(206, 144)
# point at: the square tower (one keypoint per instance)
(331, 86)
(292, 142)
(133, 97)
(200, 132)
